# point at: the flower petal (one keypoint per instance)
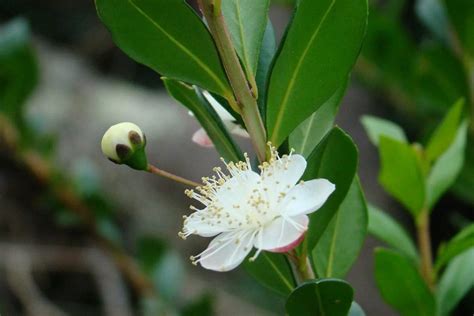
(227, 251)
(202, 223)
(220, 110)
(202, 139)
(285, 172)
(307, 197)
(281, 232)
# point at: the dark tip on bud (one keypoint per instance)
(113, 160)
(123, 151)
(134, 138)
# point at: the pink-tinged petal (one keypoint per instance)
(307, 197)
(226, 251)
(281, 233)
(289, 247)
(202, 139)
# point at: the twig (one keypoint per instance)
(424, 246)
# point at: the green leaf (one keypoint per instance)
(335, 159)
(193, 99)
(320, 298)
(401, 173)
(309, 133)
(455, 282)
(18, 69)
(335, 253)
(267, 52)
(247, 20)
(433, 15)
(356, 310)
(376, 127)
(386, 229)
(445, 133)
(273, 271)
(162, 265)
(401, 285)
(314, 60)
(168, 37)
(461, 13)
(200, 307)
(461, 242)
(446, 169)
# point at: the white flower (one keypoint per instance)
(124, 143)
(201, 138)
(245, 209)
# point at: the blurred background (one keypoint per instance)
(82, 236)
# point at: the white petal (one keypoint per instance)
(227, 251)
(236, 129)
(281, 232)
(198, 223)
(285, 172)
(307, 197)
(220, 110)
(202, 139)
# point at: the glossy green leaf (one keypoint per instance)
(376, 127)
(386, 229)
(401, 285)
(460, 243)
(273, 271)
(168, 37)
(18, 69)
(446, 169)
(433, 15)
(193, 99)
(455, 282)
(316, 56)
(335, 159)
(320, 298)
(267, 52)
(309, 133)
(356, 310)
(247, 20)
(401, 173)
(461, 13)
(335, 253)
(445, 133)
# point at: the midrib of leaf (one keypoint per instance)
(181, 46)
(306, 134)
(223, 139)
(242, 38)
(284, 102)
(320, 302)
(332, 248)
(282, 277)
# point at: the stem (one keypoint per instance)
(301, 267)
(424, 246)
(154, 170)
(245, 99)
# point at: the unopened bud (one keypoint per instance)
(124, 143)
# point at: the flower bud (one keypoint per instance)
(124, 143)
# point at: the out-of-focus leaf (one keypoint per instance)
(461, 13)
(320, 298)
(446, 169)
(433, 15)
(461, 242)
(385, 228)
(455, 282)
(314, 60)
(193, 99)
(267, 52)
(246, 20)
(401, 285)
(18, 69)
(309, 133)
(334, 159)
(168, 37)
(376, 127)
(465, 181)
(401, 173)
(273, 271)
(335, 253)
(200, 307)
